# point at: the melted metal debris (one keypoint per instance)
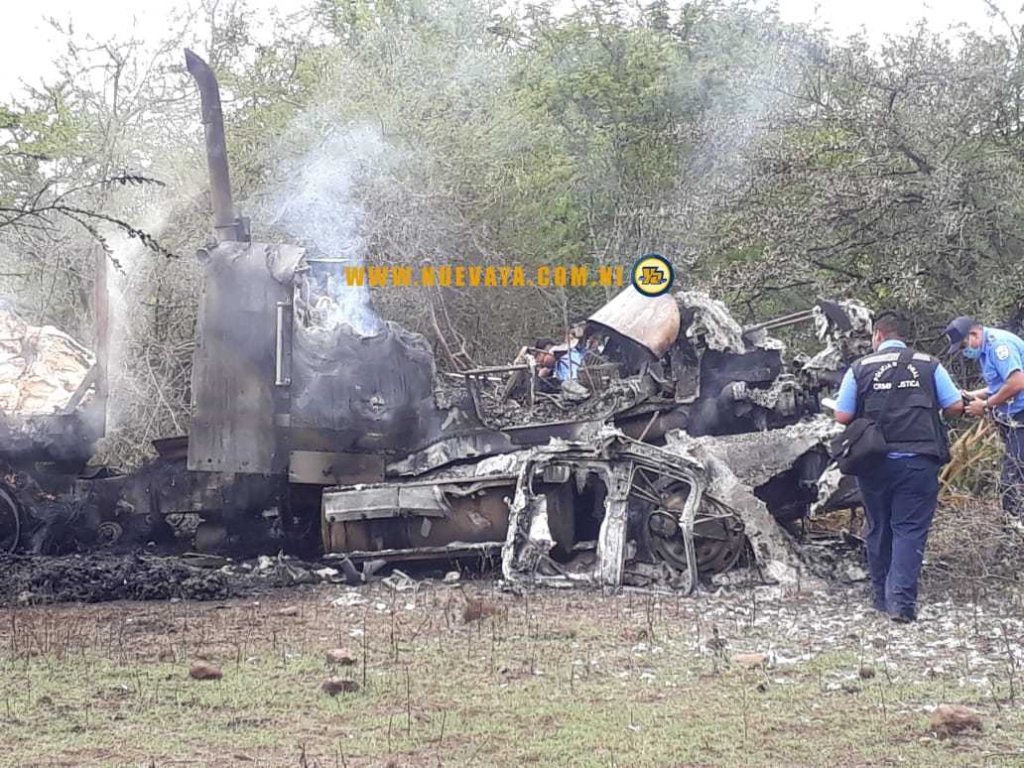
(713, 321)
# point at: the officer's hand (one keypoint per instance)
(976, 408)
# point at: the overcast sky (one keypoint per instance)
(26, 42)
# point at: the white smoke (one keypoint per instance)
(313, 200)
(739, 114)
(130, 325)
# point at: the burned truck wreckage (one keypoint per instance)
(683, 445)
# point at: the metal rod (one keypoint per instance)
(91, 379)
(779, 322)
(279, 379)
(494, 369)
(654, 417)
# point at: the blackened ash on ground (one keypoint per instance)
(98, 578)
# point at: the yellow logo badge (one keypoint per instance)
(652, 275)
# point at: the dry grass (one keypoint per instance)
(971, 548)
(547, 678)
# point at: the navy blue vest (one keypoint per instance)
(896, 388)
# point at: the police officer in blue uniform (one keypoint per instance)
(1001, 357)
(903, 391)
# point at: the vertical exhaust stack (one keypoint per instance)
(226, 225)
(232, 429)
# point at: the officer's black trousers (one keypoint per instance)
(899, 497)
(1011, 479)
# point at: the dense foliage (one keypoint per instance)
(772, 164)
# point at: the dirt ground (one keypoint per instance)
(467, 675)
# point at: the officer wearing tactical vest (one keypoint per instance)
(903, 391)
(1001, 357)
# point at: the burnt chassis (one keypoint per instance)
(543, 508)
(603, 509)
(656, 495)
(40, 457)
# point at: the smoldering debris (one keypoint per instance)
(499, 412)
(99, 578)
(314, 200)
(712, 322)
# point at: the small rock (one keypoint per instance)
(349, 600)
(854, 573)
(335, 685)
(291, 610)
(399, 581)
(866, 672)
(452, 577)
(201, 670)
(167, 654)
(750, 659)
(951, 719)
(24, 598)
(341, 656)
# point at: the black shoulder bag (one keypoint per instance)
(859, 448)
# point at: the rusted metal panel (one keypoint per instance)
(331, 468)
(385, 502)
(233, 395)
(653, 323)
(478, 518)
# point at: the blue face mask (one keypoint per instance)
(972, 353)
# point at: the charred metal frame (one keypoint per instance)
(617, 460)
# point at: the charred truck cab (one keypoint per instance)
(283, 405)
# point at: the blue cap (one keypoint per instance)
(957, 331)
